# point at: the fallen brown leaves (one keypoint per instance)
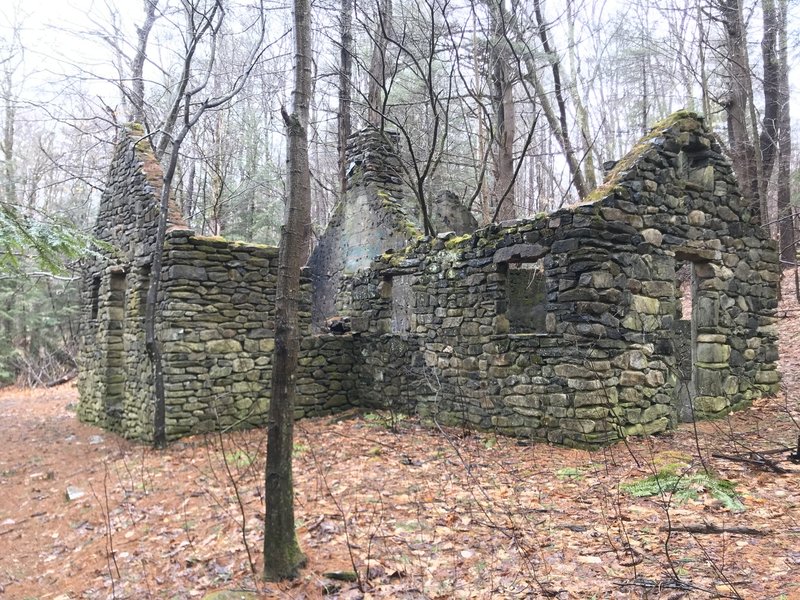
(411, 512)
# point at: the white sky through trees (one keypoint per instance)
(65, 37)
(66, 75)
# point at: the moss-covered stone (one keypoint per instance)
(587, 346)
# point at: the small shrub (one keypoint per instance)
(239, 458)
(390, 420)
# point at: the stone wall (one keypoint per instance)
(113, 285)
(566, 327)
(215, 321)
(216, 327)
(378, 212)
(605, 365)
(324, 377)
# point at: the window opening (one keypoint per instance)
(95, 296)
(526, 294)
(402, 296)
(116, 297)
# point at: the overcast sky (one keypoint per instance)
(62, 45)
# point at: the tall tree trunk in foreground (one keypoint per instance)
(282, 555)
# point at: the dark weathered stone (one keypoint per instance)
(606, 293)
(520, 253)
(565, 327)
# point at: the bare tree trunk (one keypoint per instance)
(199, 27)
(481, 193)
(506, 130)
(557, 122)
(703, 44)
(645, 97)
(377, 93)
(10, 110)
(217, 209)
(190, 197)
(198, 24)
(739, 102)
(345, 81)
(250, 169)
(282, 555)
(785, 214)
(218, 175)
(768, 140)
(137, 64)
(152, 345)
(504, 112)
(580, 107)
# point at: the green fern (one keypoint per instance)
(569, 473)
(687, 486)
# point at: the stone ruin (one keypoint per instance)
(379, 213)
(566, 327)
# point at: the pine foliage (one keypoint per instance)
(39, 297)
(51, 245)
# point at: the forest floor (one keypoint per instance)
(415, 511)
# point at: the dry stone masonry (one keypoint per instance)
(215, 320)
(567, 327)
(114, 380)
(378, 213)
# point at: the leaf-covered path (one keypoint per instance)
(415, 511)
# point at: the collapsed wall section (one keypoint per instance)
(377, 212)
(370, 218)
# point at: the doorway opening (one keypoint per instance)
(115, 375)
(685, 339)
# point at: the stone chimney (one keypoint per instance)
(372, 157)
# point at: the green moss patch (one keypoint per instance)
(685, 119)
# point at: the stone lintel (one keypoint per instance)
(520, 253)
